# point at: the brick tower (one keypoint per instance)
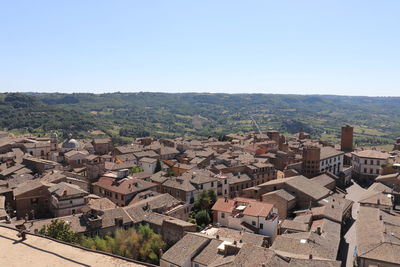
(347, 138)
(311, 160)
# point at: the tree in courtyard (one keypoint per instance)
(141, 244)
(158, 166)
(201, 213)
(60, 230)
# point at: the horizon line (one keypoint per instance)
(193, 92)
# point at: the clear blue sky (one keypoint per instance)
(300, 47)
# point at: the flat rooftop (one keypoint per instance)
(39, 251)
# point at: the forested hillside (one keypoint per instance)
(125, 115)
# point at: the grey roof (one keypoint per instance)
(28, 186)
(329, 152)
(162, 201)
(308, 187)
(233, 179)
(159, 177)
(210, 255)
(323, 179)
(200, 177)
(295, 226)
(236, 235)
(251, 255)
(186, 248)
(182, 184)
(66, 189)
(378, 235)
(281, 193)
(301, 245)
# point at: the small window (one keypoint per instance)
(212, 184)
(253, 223)
(261, 226)
(226, 181)
(222, 215)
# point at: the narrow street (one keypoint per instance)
(354, 193)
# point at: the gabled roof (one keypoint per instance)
(182, 184)
(64, 189)
(124, 186)
(378, 235)
(323, 179)
(374, 154)
(258, 209)
(185, 249)
(282, 193)
(308, 187)
(301, 245)
(28, 186)
(224, 205)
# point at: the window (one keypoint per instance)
(222, 215)
(212, 184)
(377, 171)
(226, 181)
(261, 226)
(365, 170)
(371, 170)
(34, 201)
(372, 162)
(201, 186)
(253, 223)
(70, 202)
(366, 162)
(122, 197)
(225, 192)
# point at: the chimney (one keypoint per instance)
(319, 230)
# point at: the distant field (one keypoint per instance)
(124, 116)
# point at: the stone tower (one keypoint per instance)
(53, 142)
